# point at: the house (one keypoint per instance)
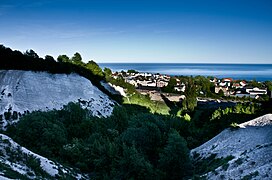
(162, 83)
(132, 81)
(223, 88)
(248, 88)
(222, 84)
(243, 83)
(178, 81)
(250, 92)
(115, 75)
(146, 83)
(240, 84)
(227, 80)
(236, 85)
(214, 80)
(180, 88)
(257, 91)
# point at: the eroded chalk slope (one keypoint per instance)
(250, 149)
(26, 91)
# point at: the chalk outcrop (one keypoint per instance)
(250, 145)
(16, 160)
(26, 91)
(113, 89)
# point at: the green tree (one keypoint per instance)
(63, 58)
(171, 84)
(91, 65)
(42, 133)
(174, 159)
(77, 59)
(133, 165)
(107, 72)
(187, 117)
(268, 84)
(132, 71)
(102, 154)
(203, 84)
(49, 58)
(31, 53)
(190, 101)
(255, 83)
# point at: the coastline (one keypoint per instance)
(258, 72)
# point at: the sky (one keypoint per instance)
(142, 31)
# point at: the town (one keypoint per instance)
(154, 84)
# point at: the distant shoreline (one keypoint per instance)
(185, 63)
(258, 72)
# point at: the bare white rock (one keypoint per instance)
(50, 167)
(23, 91)
(114, 89)
(251, 147)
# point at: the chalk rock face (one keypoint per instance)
(113, 89)
(22, 91)
(250, 145)
(19, 165)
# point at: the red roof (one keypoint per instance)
(228, 79)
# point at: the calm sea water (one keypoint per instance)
(259, 72)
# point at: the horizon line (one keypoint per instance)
(183, 63)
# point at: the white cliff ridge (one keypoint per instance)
(8, 148)
(22, 91)
(250, 146)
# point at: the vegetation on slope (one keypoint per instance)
(137, 141)
(132, 143)
(129, 144)
(15, 60)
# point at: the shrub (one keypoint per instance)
(239, 161)
(7, 115)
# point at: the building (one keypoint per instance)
(180, 88)
(227, 80)
(223, 88)
(257, 91)
(243, 83)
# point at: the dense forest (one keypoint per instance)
(142, 139)
(132, 143)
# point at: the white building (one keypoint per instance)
(162, 83)
(256, 91)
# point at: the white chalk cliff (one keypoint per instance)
(250, 145)
(22, 91)
(9, 149)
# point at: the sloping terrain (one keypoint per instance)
(25, 91)
(247, 149)
(19, 162)
(113, 89)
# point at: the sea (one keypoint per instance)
(258, 72)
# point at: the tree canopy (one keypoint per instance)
(77, 59)
(190, 101)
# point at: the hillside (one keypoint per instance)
(246, 151)
(26, 91)
(18, 162)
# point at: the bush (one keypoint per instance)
(35, 165)
(132, 143)
(174, 158)
(14, 115)
(7, 115)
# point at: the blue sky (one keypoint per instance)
(178, 31)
